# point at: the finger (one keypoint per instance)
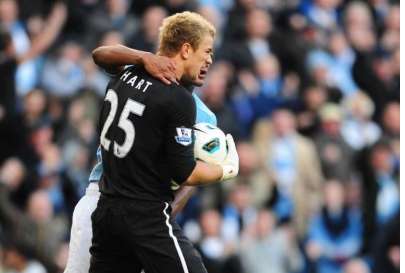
(171, 77)
(230, 142)
(229, 138)
(164, 80)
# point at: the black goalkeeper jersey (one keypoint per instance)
(146, 136)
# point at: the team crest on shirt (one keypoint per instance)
(184, 136)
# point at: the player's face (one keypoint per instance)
(199, 62)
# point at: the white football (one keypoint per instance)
(209, 143)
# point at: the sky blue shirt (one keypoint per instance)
(203, 115)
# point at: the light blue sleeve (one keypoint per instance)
(97, 170)
(203, 115)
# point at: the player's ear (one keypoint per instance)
(185, 51)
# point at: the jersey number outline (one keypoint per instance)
(124, 123)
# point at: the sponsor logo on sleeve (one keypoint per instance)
(184, 136)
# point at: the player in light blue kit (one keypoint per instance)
(113, 59)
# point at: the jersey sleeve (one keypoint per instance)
(179, 140)
(97, 171)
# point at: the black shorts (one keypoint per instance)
(130, 235)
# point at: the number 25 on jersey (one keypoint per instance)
(124, 123)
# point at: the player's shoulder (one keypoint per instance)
(177, 88)
(137, 77)
(138, 72)
(179, 93)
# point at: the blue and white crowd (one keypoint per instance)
(309, 88)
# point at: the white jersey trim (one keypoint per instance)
(176, 243)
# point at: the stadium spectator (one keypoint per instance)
(11, 57)
(220, 6)
(250, 173)
(12, 173)
(308, 120)
(51, 178)
(213, 15)
(285, 60)
(217, 254)
(174, 6)
(96, 80)
(238, 214)
(270, 84)
(50, 230)
(342, 56)
(330, 72)
(371, 71)
(113, 15)
(255, 45)
(322, 14)
(211, 244)
(34, 107)
(17, 258)
(358, 130)
(391, 120)
(63, 76)
(62, 256)
(147, 36)
(341, 51)
(76, 157)
(291, 160)
(269, 249)
(26, 73)
(335, 154)
(391, 129)
(18, 227)
(334, 234)
(380, 201)
(386, 249)
(79, 110)
(236, 17)
(244, 91)
(356, 266)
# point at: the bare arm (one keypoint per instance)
(181, 198)
(204, 174)
(113, 59)
(53, 26)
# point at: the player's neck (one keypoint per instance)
(179, 65)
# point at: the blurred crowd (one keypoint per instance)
(309, 88)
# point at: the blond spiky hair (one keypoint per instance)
(186, 27)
